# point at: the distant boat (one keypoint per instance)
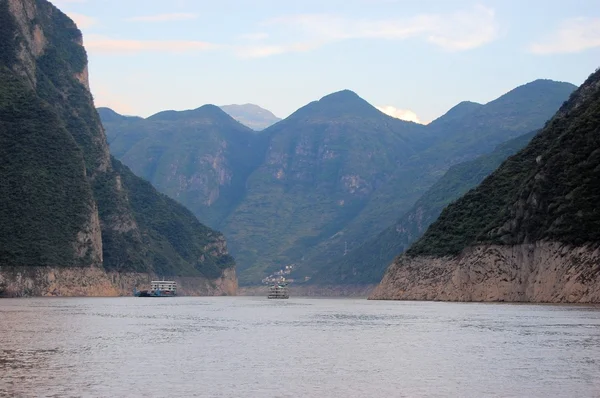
(278, 291)
(158, 289)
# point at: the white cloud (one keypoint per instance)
(181, 16)
(404, 114)
(573, 36)
(254, 36)
(101, 44)
(458, 31)
(259, 51)
(82, 21)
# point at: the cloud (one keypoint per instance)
(404, 114)
(573, 36)
(82, 21)
(101, 44)
(259, 51)
(254, 36)
(458, 31)
(164, 17)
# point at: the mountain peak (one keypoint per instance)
(109, 115)
(251, 115)
(206, 113)
(341, 104)
(537, 90)
(457, 112)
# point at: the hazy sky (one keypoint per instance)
(408, 56)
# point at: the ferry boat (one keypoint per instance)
(278, 291)
(158, 289)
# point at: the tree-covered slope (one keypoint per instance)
(465, 132)
(548, 191)
(330, 177)
(367, 263)
(201, 157)
(322, 165)
(63, 201)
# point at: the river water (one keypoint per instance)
(254, 347)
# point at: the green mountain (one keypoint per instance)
(528, 232)
(367, 263)
(251, 115)
(64, 202)
(200, 157)
(463, 133)
(322, 165)
(323, 181)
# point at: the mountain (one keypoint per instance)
(528, 232)
(367, 263)
(201, 157)
(74, 220)
(323, 181)
(108, 115)
(463, 133)
(322, 165)
(251, 115)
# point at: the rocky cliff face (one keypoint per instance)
(528, 232)
(543, 272)
(68, 210)
(97, 282)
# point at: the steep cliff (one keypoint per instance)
(528, 232)
(64, 202)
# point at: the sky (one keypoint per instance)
(412, 59)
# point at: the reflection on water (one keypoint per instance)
(254, 347)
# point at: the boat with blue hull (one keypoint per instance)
(158, 289)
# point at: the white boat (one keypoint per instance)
(278, 291)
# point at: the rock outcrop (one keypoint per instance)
(544, 272)
(97, 282)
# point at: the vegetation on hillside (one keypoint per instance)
(548, 191)
(331, 176)
(367, 263)
(56, 171)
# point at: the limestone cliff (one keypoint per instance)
(70, 215)
(528, 232)
(547, 272)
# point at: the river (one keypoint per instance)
(301, 347)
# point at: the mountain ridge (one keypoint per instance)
(324, 158)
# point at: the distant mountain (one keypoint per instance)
(73, 219)
(465, 132)
(251, 115)
(529, 232)
(322, 165)
(109, 115)
(367, 263)
(201, 157)
(323, 181)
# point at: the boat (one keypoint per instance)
(158, 289)
(278, 291)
